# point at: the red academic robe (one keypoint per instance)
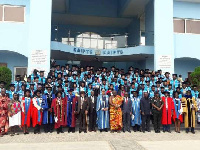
(59, 113)
(35, 115)
(71, 120)
(167, 117)
(29, 114)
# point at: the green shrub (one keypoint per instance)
(6, 76)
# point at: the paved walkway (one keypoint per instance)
(118, 141)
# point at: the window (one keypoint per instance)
(9, 13)
(1, 13)
(179, 25)
(3, 64)
(89, 40)
(193, 26)
(22, 71)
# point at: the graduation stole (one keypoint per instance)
(104, 103)
(177, 109)
(135, 104)
(61, 107)
(27, 105)
(39, 115)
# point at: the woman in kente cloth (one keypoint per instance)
(115, 112)
(26, 105)
(71, 111)
(177, 115)
(14, 114)
(4, 101)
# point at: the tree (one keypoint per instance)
(6, 76)
(195, 77)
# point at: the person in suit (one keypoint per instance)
(82, 111)
(126, 112)
(92, 101)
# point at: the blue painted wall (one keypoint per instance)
(186, 10)
(13, 60)
(149, 23)
(107, 8)
(14, 36)
(187, 45)
(134, 32)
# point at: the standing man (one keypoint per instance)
(102, 111)
(189, 109)
(58, 106)
(115, 112)
(136, 113)
(92, 112)
(4, 101)
(48, 116)
(146, 112)
(37, 112)
(71, 111)
(126, 109)
(167, 112)
(82, 112)
(157, 105)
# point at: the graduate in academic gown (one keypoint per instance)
(167, 112)
(48, 116)
(189, 109)
(102, 111)
(72, 102)
(177, 115)
(26, 105)
(59, 108)
(37, 112)
(136, 114)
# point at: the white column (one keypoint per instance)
(163, 35)
(39, 35)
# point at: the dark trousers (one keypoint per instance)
(157, 120)
(82, 121)
(92, 120)
(126, 121)
(37, 129)
(59, 130)
(166, 128)
(145, 122)
(71, 129)
(48, 127)
(136, 128)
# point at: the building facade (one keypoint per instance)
(151, 34)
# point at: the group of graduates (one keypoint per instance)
(109, 99)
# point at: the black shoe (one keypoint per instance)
(143, 131)
(85, 131)
(129, 131)
(148, 130)
(124, 131)
(193, 132)
(158, 131)
(51, 131)
(58, 132)
(79, 131)
(61, 131)
(106, 130)
(100, 130)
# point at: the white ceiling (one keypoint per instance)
(193, 1)
(89, 20)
